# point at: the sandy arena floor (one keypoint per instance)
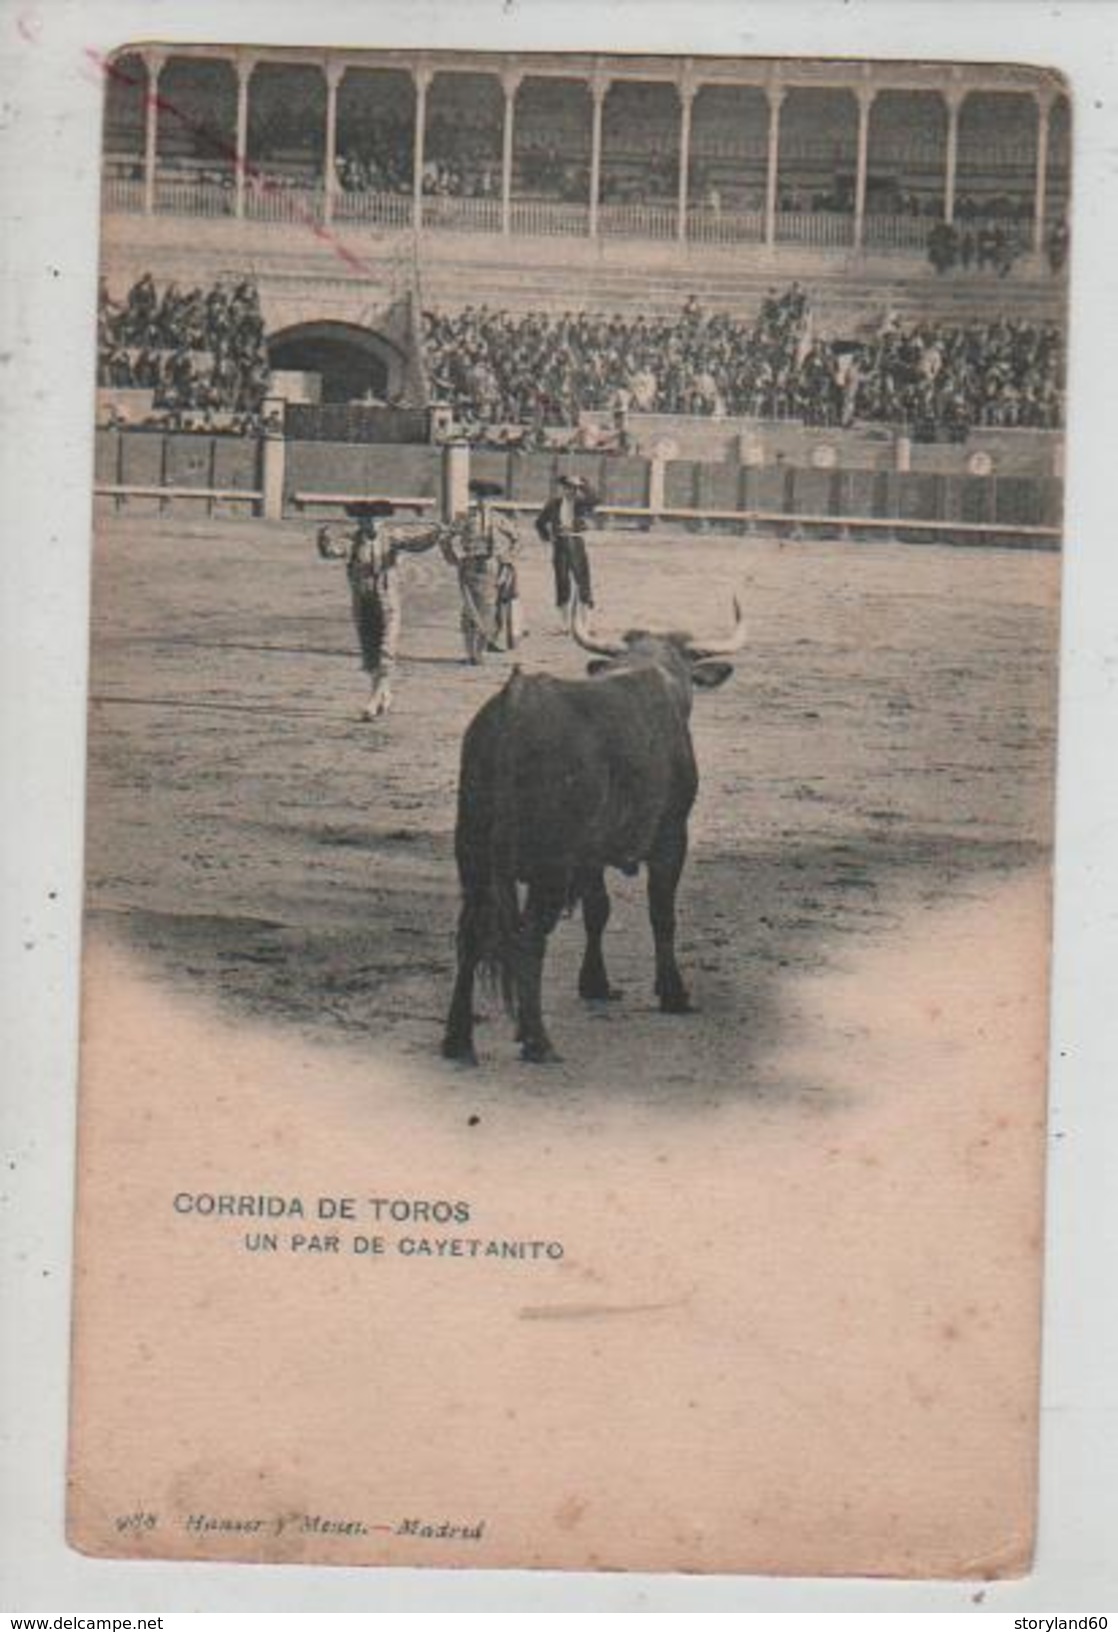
(886, 743)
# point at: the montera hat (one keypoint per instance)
(369, 509)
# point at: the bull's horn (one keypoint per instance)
(726, 648)
(583, 638)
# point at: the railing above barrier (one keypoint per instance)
(454, 214)
(638, 220)
(542, 217)
(153, 490)
(283, 198)
(721, 226)
(751, 517)
(888, 524)
(267, 201)
(375, 209)
(398, 502)
(194, 195)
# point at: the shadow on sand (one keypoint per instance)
(375, 974)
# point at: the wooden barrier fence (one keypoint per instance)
(742, 518)
(270, 479)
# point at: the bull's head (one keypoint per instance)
(681, 654)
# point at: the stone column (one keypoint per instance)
(273, 459)
(244, 66)
(454, 487)
(599, 87)
(657, 484)
(687, 91)
(776, 95)
(1044, 100)
(865, 94)
(954, 100)
(154, 62)
(422, 77)
(510, 83)
(335, 72)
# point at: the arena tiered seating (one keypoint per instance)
(937, 379)
(194, 350)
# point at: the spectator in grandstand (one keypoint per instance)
(108, 317)
(712, 199)
(943, 246)
(1056, 245)
(139, 312)
(622, 401)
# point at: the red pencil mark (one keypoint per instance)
(261, 183)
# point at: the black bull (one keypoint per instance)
(561, 779)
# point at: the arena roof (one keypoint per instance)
(793, 72)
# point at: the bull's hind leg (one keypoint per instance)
(593, 982)
(665, 865)
(458, 1041)
(541, 914)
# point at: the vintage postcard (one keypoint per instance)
(571, 771)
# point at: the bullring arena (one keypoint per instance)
(885, 746)
(343, 277)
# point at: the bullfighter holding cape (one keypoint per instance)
(483, 549)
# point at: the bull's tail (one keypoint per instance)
(500, 926)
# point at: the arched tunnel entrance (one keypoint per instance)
(353, 364)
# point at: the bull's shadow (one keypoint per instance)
(376, 977)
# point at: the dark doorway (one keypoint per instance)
(352, 365)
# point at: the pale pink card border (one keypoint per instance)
(51, 100)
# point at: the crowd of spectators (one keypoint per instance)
(542, 170)
(195, 349)
(461, 158)
(944, 379)
(528, 372)
(513, 378)
(994, 245)
(995, 207)
(377, 158)
(651, 180)
(985, 248)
